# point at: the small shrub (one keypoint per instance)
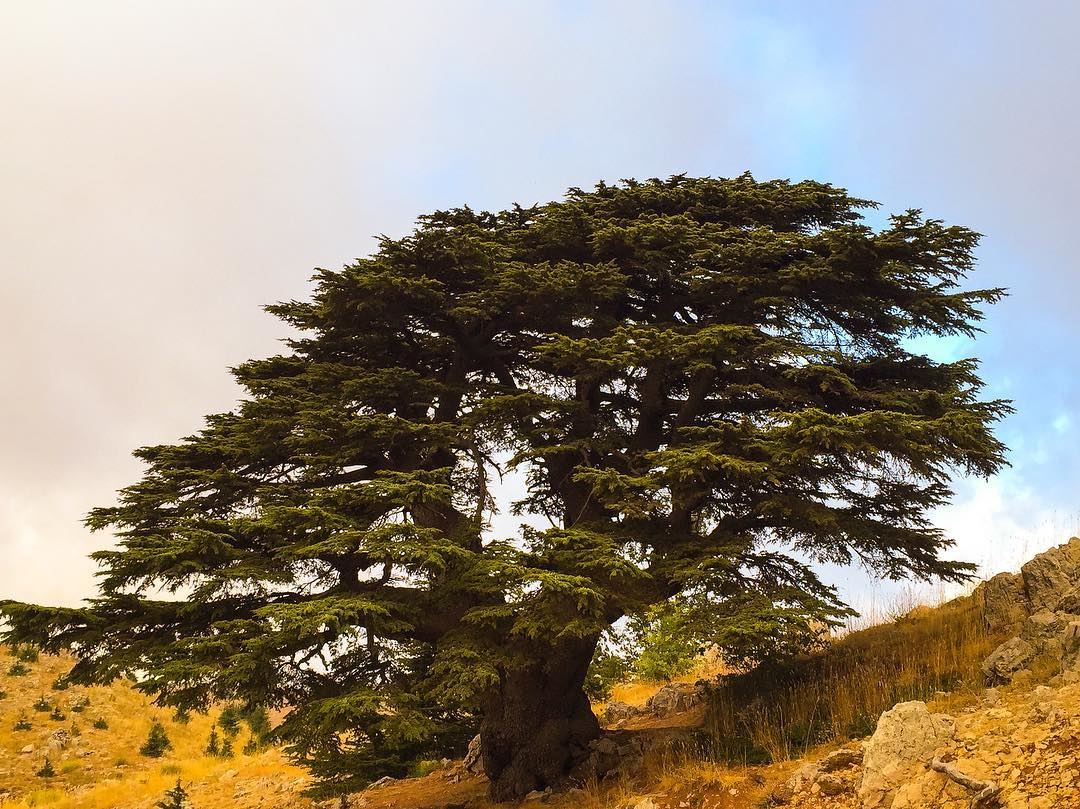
(157, 742)
(227, 748)
(61, 683)
(258, 720)
(252, 746)
(47, 770)
(213, 744)
(181, 717)
(26, 653)
(42, 705)
(69, 767)
(229, 721)
(101, 724)
(57, 715)
(3, 694)
(18, 670)
(175, 798)
(23, 723)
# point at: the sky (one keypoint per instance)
(167, 168)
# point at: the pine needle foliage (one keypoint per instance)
(175, 798)
(706, 385)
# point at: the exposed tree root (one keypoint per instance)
(986, 792)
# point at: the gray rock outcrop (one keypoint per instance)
(901, 748)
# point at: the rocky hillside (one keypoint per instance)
(1006, 733)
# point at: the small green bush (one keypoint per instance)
(101, 724)
(42, 705)
(175, 798)
(26, 653)
(213, 744)
(23, 723)
(47, 770)
(61, 683)
(157, 742)
(18, 670)
(57, 715)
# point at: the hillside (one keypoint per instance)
(806, 735)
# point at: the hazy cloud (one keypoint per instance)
(166, 168)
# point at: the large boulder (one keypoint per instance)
(1004, 602)
(1049, 576)
(675, 698)
(617, 712)
(1007, 659)
(900, 750)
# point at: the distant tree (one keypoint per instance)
(706, 385)
(213, 744)
(157, 742)
(47, 770)
(229, 720)
(175, 798)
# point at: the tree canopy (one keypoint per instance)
(704, 387)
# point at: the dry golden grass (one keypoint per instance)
(780, 712)
(103, 769)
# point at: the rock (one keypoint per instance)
(1004, 602)
(675, 698)
(900, 749)
(474, 757)
(27, 750)
(841, 759)
(802, 778)
(59, 739)
(1050, 576)
(646, 803)
(617, 712)
(1070, 602)
(830, 784)
(228, 775)
(384, 781)
(1008, 659)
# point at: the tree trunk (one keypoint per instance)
(539, 723)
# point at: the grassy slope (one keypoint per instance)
(103, 769)
(785, 714)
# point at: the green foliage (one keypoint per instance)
(667, 642)
(47, 770)
(42, 705)
(251, 747)
(213, 744)
(57, 715)
(157, 742)
(175, 798)
(18, 670)
(612, 664)
(708, 385)
(23, 723)
(61, 684)
(229, 720)
(226, 748)
(25, 653)
(101, 724)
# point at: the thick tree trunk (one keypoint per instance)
(539, 723)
